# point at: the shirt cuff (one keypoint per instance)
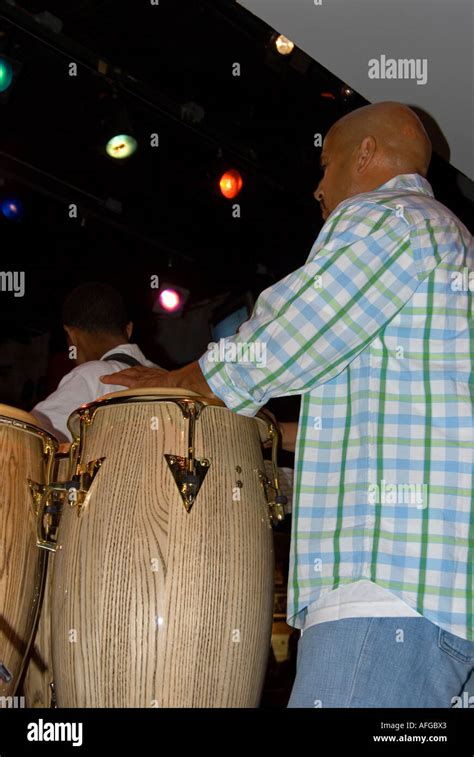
(217, 375)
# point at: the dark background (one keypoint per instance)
(159, 212)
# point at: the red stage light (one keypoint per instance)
(231, 183)
(169, 300)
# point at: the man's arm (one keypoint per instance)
(309, 326)
(288, 431)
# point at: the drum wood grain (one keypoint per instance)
(22, 564)
(153, 606)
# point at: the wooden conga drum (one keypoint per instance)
(163, 584)
(26, 459)
(38, 684)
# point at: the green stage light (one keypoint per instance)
(6, 75)
(121, 146)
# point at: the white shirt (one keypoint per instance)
(81, 385)
(360, 599)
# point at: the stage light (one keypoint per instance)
(6, 75)
(346, 93)
(230, 184)
(171, 300)
(284, 45)
(117, 135)
(9, 72)
(121, 146)
(12, 209)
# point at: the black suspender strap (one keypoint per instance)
(123, 358)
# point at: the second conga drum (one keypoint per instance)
(38, 686)
(163, 585)
(26, 458)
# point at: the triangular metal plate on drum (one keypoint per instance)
(188, 484)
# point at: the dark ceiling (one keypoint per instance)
(162, 205)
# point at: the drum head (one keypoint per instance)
(15, 414)
(138, 394)
(150, 391)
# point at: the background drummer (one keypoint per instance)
(96, 323)
(371, 334)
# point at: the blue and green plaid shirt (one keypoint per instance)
(376, 333)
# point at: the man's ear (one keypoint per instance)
(129, 329)
(366, 152)
(69, 333)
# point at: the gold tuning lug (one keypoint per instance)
(37, 492)
(275, 498)
(188, 472)
(81, 483)
(46, 509)
(48, 500)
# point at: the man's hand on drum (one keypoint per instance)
(188, 377)
(138, 376)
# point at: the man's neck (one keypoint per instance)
(103, 345)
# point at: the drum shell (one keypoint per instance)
(154, 606)
(26, 453)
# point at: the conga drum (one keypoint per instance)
(38, 685)
(26, 459)
(163, 583)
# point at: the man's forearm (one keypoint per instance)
(288, 431)
(190, 377)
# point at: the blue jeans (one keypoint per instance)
(382, 662)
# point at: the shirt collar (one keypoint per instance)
(124, 348)
(411, 181)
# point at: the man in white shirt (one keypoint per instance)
(97, 326)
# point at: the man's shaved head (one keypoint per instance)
(367, 148)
